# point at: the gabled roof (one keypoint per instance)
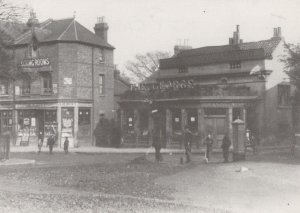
(68, 30)
(221, 54)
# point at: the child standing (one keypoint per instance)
(66, 145)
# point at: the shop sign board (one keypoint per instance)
(163, 85)
(35, 62)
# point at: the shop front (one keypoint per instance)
(33, 123)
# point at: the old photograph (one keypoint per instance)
(149, 106)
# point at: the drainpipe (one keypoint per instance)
(93, 97)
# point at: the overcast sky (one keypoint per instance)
(139, 26)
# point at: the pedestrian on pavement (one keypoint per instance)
(208, 142)
(50, 143)
(6, 141)
(66, 145)
(157, 143)
(115, 135)
(102, 131)
(40, 142)
(187, 143)
(225, 147)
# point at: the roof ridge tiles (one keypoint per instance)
(61, 35)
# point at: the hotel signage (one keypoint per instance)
(35, 62)
(163, 85)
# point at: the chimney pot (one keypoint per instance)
(279, 31)
(101, 28)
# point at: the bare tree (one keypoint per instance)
(11, 12)
(144, 65)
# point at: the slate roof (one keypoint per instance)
(68, 30)
(221, 54)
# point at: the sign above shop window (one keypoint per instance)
(67, 81)
(35, 62)
(166, 84)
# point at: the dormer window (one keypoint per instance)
(183, 70)
(235, 65)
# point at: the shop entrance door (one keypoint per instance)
(216, 125)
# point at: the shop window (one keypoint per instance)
(84, 122)
(144, 121)
(50, 122)
(6, 120)
(235, 65)
(101, 84)
(3, 87)
(283, 95)
(47, 83)
(176, 114)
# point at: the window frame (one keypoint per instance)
(101, 82)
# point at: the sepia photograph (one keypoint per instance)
(148, 106)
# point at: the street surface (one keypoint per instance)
(135, 183)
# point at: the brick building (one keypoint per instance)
(208, 88)
(64, 77)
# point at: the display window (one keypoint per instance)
(84, 122)
(176, 114)
(50, 126)
(6, 120)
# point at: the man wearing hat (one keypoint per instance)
(101, 131)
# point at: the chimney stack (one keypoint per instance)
(101, 28)
(236, 37)
(33, 21)
(180, 48)
(277, 32)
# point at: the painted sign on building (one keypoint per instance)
(35, 62)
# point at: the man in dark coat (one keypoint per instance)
(157, 143)
(50, 143)
(187, 143)
(101, 131)
(225, 147)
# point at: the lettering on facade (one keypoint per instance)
(163, 85)
(35, 62)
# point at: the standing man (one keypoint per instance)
(157, 142)
(50, 143)
(187, 143)
(101, 131)
(208, 142)
(225, 147)
(6, 141)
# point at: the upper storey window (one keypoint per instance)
(235, 65)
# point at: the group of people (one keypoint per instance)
(208, 142)
(51, 142)
(187, 139)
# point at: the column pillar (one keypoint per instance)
(183, 118)
(201, 125)
(14, 126)
(244, 115)
(169, 129)
(58, 117)
(229, 119)
(76, 111)
(136, 119)
(150, 127)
